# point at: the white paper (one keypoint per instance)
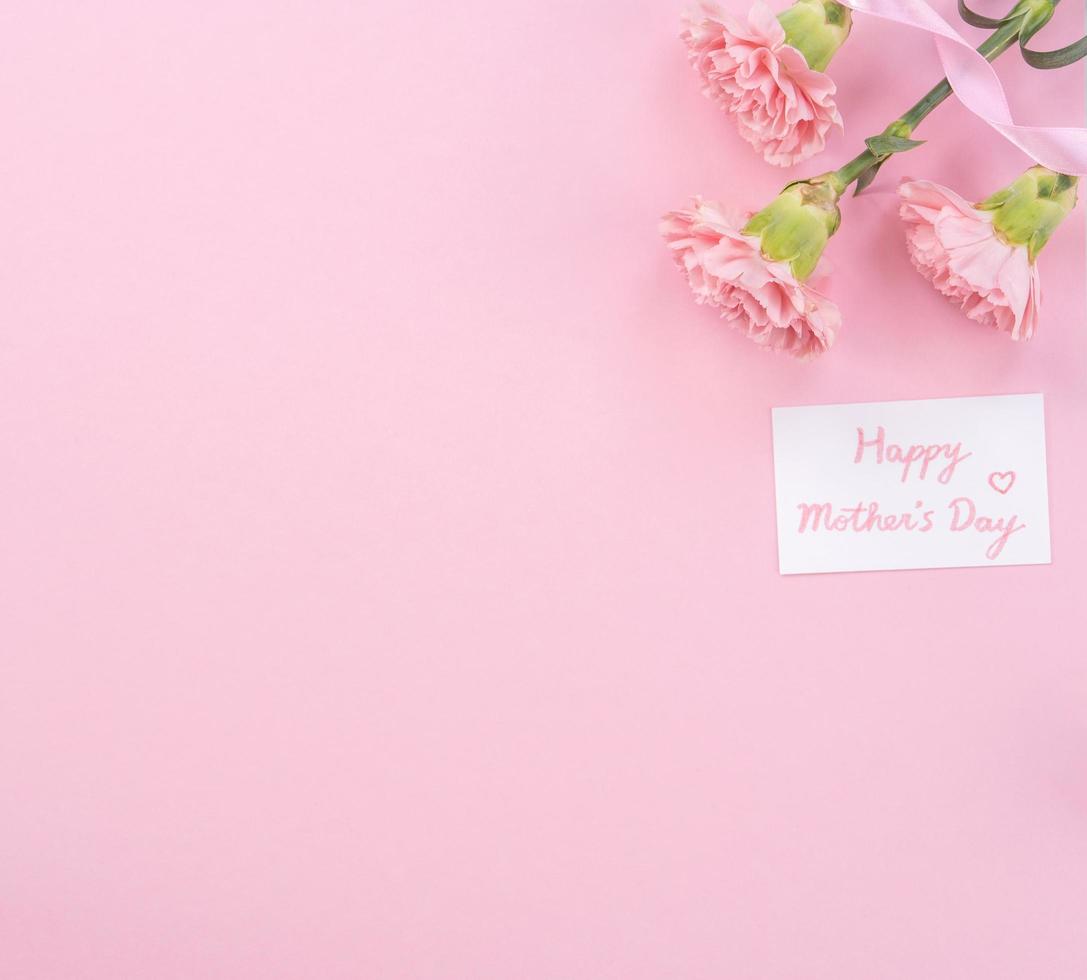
(941, 483)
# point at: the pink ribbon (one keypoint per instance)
(975, 82)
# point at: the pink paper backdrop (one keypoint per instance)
(387, 556)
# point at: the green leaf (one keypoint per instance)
(1053, 59)
(978, 20)
(867, 177)
(1034, 19)
(886, 145)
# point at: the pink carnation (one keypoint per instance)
(955, 247)
(762, 298)
(782, 108)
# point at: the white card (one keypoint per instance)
(942, 483)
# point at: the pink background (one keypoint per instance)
(387, 555)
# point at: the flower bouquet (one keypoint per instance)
(769, 74)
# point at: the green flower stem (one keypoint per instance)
(995, 45)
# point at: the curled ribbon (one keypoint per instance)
(975, 83)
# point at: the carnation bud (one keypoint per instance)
(1028, 211)
(817, 29)
(796, 225)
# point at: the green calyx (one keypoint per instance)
(817, 29)
(797, 224)
(1028, 211)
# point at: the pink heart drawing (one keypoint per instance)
(1002, 482)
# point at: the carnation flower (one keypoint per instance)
(769, 73)
(750, 271)
(982, 257)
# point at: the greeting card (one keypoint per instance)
(940, 483)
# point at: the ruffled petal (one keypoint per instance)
(781, 107)
(725, 269)
(954, 246)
